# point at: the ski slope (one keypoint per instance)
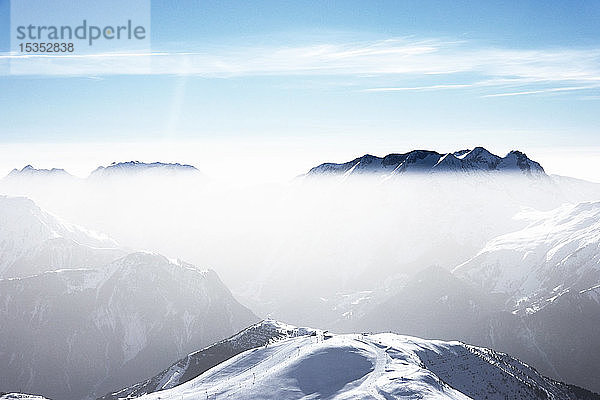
(362, 366)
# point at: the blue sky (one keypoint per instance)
(333, 78)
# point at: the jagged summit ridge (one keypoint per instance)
(126, 168)
(31, 171)
(139, 167)
(427, 161)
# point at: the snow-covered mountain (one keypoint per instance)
(84, 320)
(548, 275)
(557, 253)
(317, 364)
(193, 365)
(534, 293)
(427, 161)
(33, 241)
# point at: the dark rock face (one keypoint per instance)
(427, 161)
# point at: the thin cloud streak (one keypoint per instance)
(549, 90)
(419, 88)
(390, 59)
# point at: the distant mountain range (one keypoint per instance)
(417, 161)
(30, 171)
(272, 360)
(427, 161)
(81, 315)
(138, 168)
(116, 169)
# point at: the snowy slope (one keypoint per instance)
(548, 274)
(364, 366)
(557, 253)
(427, 161)
(194, 364)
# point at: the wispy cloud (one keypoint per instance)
(419, 88)
(548, 90)
(532, 71)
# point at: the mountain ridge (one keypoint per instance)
(139, 167)
(29, 170)
(123, 313)
(122, 167)
(198, 362)
(315, 363)
(428, 161)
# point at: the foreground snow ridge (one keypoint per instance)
(320, 365)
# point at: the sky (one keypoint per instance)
(264, 90)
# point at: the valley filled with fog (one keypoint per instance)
(459, 246)
(317, 249)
